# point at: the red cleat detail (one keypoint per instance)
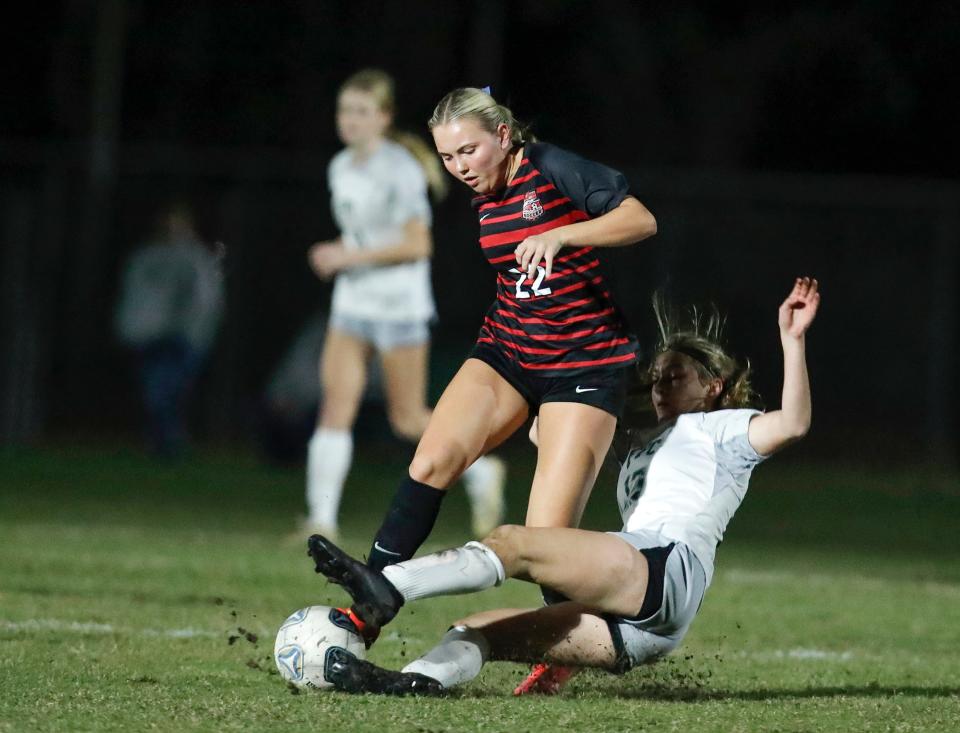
(545, 679)
(368, 632)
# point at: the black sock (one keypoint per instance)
(408, 522)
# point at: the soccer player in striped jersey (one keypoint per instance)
(382, 299)
(553, 344)
(633, 593)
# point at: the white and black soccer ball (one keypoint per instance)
(304, 642)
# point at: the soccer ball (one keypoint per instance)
(305, 640)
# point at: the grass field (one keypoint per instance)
(137, 596)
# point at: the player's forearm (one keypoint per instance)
(629, 223)
(415, 245)
(796, 409)
(406, 251)
(777, 429)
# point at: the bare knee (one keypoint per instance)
(509, 542)
(437, 467)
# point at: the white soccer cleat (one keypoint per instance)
(485, 486)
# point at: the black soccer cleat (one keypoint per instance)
(375, 600)
(349, 674)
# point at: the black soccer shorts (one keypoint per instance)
(602, 388)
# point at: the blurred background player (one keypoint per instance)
(633, 593)
(553, 343)
(170, 306)
(382, 297)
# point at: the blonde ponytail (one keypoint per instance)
(427, 158)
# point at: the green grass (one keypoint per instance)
(834, 606)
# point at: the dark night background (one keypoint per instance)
(817, 139)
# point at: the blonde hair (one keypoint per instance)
(482, 107)
(701, 339)
(375, 82)
(380, 85)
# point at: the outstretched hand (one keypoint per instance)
(799, 309)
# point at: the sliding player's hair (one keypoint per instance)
(700, 337)
(379, 84)
(482, 107)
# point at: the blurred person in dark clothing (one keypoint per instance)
(168, 313)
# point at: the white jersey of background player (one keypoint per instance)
(382, 299)
(372, 202)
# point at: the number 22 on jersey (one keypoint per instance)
(535, 287)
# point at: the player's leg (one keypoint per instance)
(597, 569)
(566, 633)
(405, 389)
(661, 587)
(560, 638)
(405, 370)
(343, 372)
(478, 410)
(573, 442)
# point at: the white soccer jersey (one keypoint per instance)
(372, 200)
(687, 480)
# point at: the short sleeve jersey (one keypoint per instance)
(372, 201)
(686, 481)
(567, 323)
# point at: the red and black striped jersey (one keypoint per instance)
(567, 322)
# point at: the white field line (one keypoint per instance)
(35, 625)
(52, 625)
(817, 655)
(49, 625)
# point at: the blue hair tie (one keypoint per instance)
(486, 90)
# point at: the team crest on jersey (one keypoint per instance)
(531, 206)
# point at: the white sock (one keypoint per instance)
(467, 569)
(458, 657)
(328, 459)
(478, 476)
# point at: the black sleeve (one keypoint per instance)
(592, 187)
